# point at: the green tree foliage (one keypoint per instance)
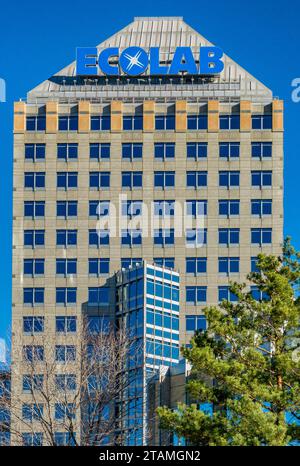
(246, 365)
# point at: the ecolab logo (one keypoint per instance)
(134, 61)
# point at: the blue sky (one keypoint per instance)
(38, 38)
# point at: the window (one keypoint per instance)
(33, 324)
(229, 150)
(230, 121)
(197, 121)
(261, 207)
(196, 179)
(99, 180)
(64, 439)
(65, 382)
(98, 208)
(99, 266)
(34, 267)
(131, 208)
(229, 265)
(196, 208)
(66, 238)
(261, 178)
(132, 180)
(64, 411)
(68, 123)
(98, 238)
(165, 262)
(196, 150)
(32, 411)
(254, 267)
(66, 267)
(229, 179)
(99, 151)
(196, 237)
(164, 208)
(66, 296)
(33, 296)
(65, 324)
(196, 265)
(261, 122)
(229, 236)
(67, 152)
(65, 353)
(164, 180)
(261, 149)
(34, 180)
(164, 122)
(229, 208)
(164, 150)
(35, 123)
(34, 209)
(34, 238)
(33, 383)
(128, 261)
(34, 439)
(132, 151)
(164, 237)
(33, 353)
(66, 209)
(225, 293)
(259, 295)
(35, 152)
(261, 236)
(131, 237)
(132, 122)
(98, 295)
(67, 180)
(194, 322)
(195, 294)
(100, 122)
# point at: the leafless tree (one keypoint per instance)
(75, 385)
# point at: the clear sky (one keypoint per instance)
(39, 38)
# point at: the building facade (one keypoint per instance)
(83, 147)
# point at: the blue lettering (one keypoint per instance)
(183, 60)
(210, 60)
(155, 67)
(103, 62)
(86, 60)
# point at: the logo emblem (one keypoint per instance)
(134, 61)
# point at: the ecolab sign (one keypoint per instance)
(134, 61)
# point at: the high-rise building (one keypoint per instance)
(92, 146)
(147, 302)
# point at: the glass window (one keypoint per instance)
(229, 236)
(196, 294)
(66, 238)
(164, 150)
(226, 294)
(261, 149)
(229, 265)
(99, 266)
(164, 180)
(100, 122)
(229, 179)
(261, 122)
(65, 324)
(196, 208)
(164, 262)
(131, 237)
(67, 152)
(132, 180)
(34, 238)
(164, 122)
(132, 151)
(35, 152)
(33, 324)
(196, 150)
(34, 180)
(196, 265)
(197, 122)
(229, 150)
(261, 236)
(196, 179)
(35, 123)
(164, 237)
(66, 209)
(196, 237)
(261, 178)
(99, 180)
(195, 322)
(261, 207)
(66, 296)
(68, 123)
(34, 209)
(98, 238)
(99, 151)
(132, 122)
(67, 180)
(229, 208)
(230, 121)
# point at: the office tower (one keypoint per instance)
(85, 145)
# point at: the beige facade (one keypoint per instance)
(53, 105)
